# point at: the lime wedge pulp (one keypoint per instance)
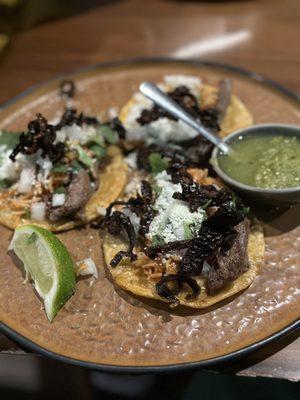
(48, 263)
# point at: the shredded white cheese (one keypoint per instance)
(75, 133)
(174, 218)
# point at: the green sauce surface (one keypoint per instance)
(265, 161)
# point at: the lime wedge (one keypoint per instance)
(48, 263)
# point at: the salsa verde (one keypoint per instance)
(264, 160)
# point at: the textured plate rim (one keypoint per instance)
(131, 369)
(138, 369)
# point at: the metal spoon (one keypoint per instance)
(160, 98)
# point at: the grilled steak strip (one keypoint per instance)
(227, 266)
(78, 193)
(225, 89)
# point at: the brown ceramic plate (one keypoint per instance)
(106, 328)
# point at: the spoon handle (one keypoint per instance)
(160, 98)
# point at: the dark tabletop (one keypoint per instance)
(260, 35)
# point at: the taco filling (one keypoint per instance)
(54, 170)
(150, 128)
(180, 238)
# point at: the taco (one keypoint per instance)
(216, 107)
(183, 239)
(59, 175)
(149, 128)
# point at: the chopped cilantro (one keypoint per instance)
(60, 169)
(157, 163)
(109, 135)
(157, 240)
(157, 189)
(97, 139)
(76, 166)
(187, 231)
(9, 139)
(207, 204)
(4, 184)
(83, 156)
(245, 211)
(60, 190)
(99, 151)
(27, 214)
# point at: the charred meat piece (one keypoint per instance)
(141, 205)
(182, 96)
(117, 126)
(167, 152)
(215, 236)
(228, 265)
(210, 117)
(148, 116)
(78, 193)
(115, 223)
(153, 251)
(185, 99)
(228, 215)
(67, 89)
(147, 213)
(70, 117)
(202, 247)
(203, 196)
(40, 136)
(169, 293)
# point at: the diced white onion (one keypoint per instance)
(38, 211)
(58, 199)
(45, 165)
(112, 112)
(7, 167)
(101, 210)
(132, 186)
(131, 160)
(27, 179)
(87, 267)
(134, 219)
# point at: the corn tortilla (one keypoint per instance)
(135, 281)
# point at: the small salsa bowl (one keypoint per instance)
(275, 197)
